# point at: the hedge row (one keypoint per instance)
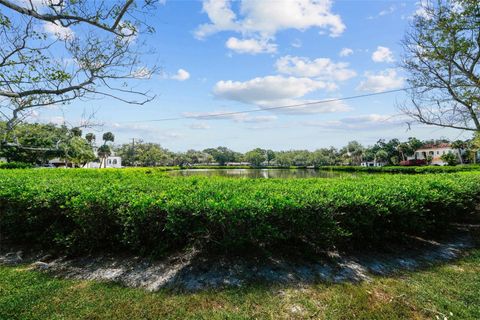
(148, 211)
(400, 169)
(15, 165)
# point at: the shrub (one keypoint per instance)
(403, 169)
(450, 158)
(86, 210)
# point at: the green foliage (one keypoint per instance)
(40, 142)
(406, 170)
(223, 155)
(145, 210)
(144, 154)
(76, 132)
(90, 137)
(256, 157)
(15, 165)
(473, 150)
(381, 156)
(450, 158)
(108, 137)
(104, 151)
(77, 150)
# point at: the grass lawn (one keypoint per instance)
(450, 291)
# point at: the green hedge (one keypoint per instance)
(400, 169)
(15, 165)
(145, 210)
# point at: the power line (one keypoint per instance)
(213, 115)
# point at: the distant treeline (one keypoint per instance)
(38, 143)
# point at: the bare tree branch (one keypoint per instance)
(41, 66)
(442, 59)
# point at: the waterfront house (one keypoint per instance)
(435, 152)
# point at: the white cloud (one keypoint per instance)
(382, 54)
(382, 81)
(57, 31)
(263, 90)
(279, 91)
(250, 46)
(263, 19)
(345, 52)
(221, 17)
(181, 75)
(229, 115)
(321, 68)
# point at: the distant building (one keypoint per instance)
(110, 162)
(232, 164)
(435, 151)
(3, 159)
(372, 164)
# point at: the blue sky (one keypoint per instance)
(223, 56)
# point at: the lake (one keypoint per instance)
(260, 173)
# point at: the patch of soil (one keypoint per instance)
(196, 270)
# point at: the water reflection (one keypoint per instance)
(260, 173)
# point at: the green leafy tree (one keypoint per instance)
(270, 156)
(90, 137)
(77, 151)
(144, 154)
(222, 155)
(353, 153)
(108, 137)
(414, 144)
(284, 158)
(322, 157)
(77, 132)
(450, 158)
(104, 152)
(35, 143)
(381, 156)
(256, 157)
(394, 160)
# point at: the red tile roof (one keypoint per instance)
(436, 146)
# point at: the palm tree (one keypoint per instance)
(103, 153)
(108, 137)
(90, 137)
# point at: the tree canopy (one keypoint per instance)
(56, 51)
(442, 58)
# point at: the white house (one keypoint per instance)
(372, 164)
(435, 151)
(111, 162)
